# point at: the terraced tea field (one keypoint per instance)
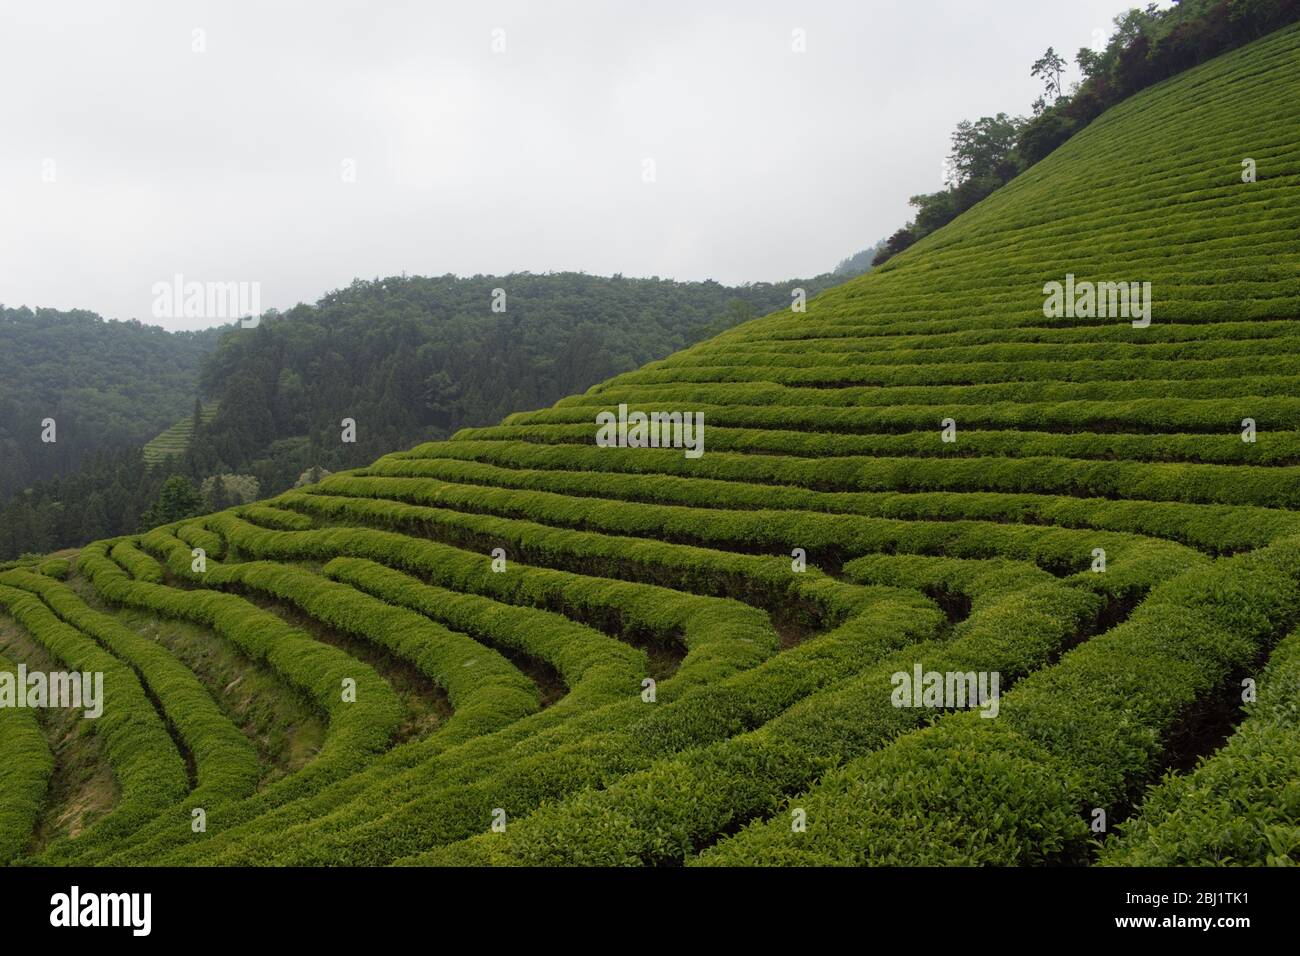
(525, 648)
(175, 441)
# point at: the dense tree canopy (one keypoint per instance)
(107, 385)
(415, 359)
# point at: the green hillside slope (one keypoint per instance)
(644, 656)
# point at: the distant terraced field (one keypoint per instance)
(175, 441)
(650, 680)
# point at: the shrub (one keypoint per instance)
(25, 768)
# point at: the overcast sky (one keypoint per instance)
(231, 163)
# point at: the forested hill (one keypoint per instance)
(106, 384)
(407, 359)
(411, 359)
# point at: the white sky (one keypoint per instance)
(226, 165)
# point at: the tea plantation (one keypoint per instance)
(525, 647)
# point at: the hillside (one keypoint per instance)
(407, 358)
(416, 358)
(106, 384)
(518, 646)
